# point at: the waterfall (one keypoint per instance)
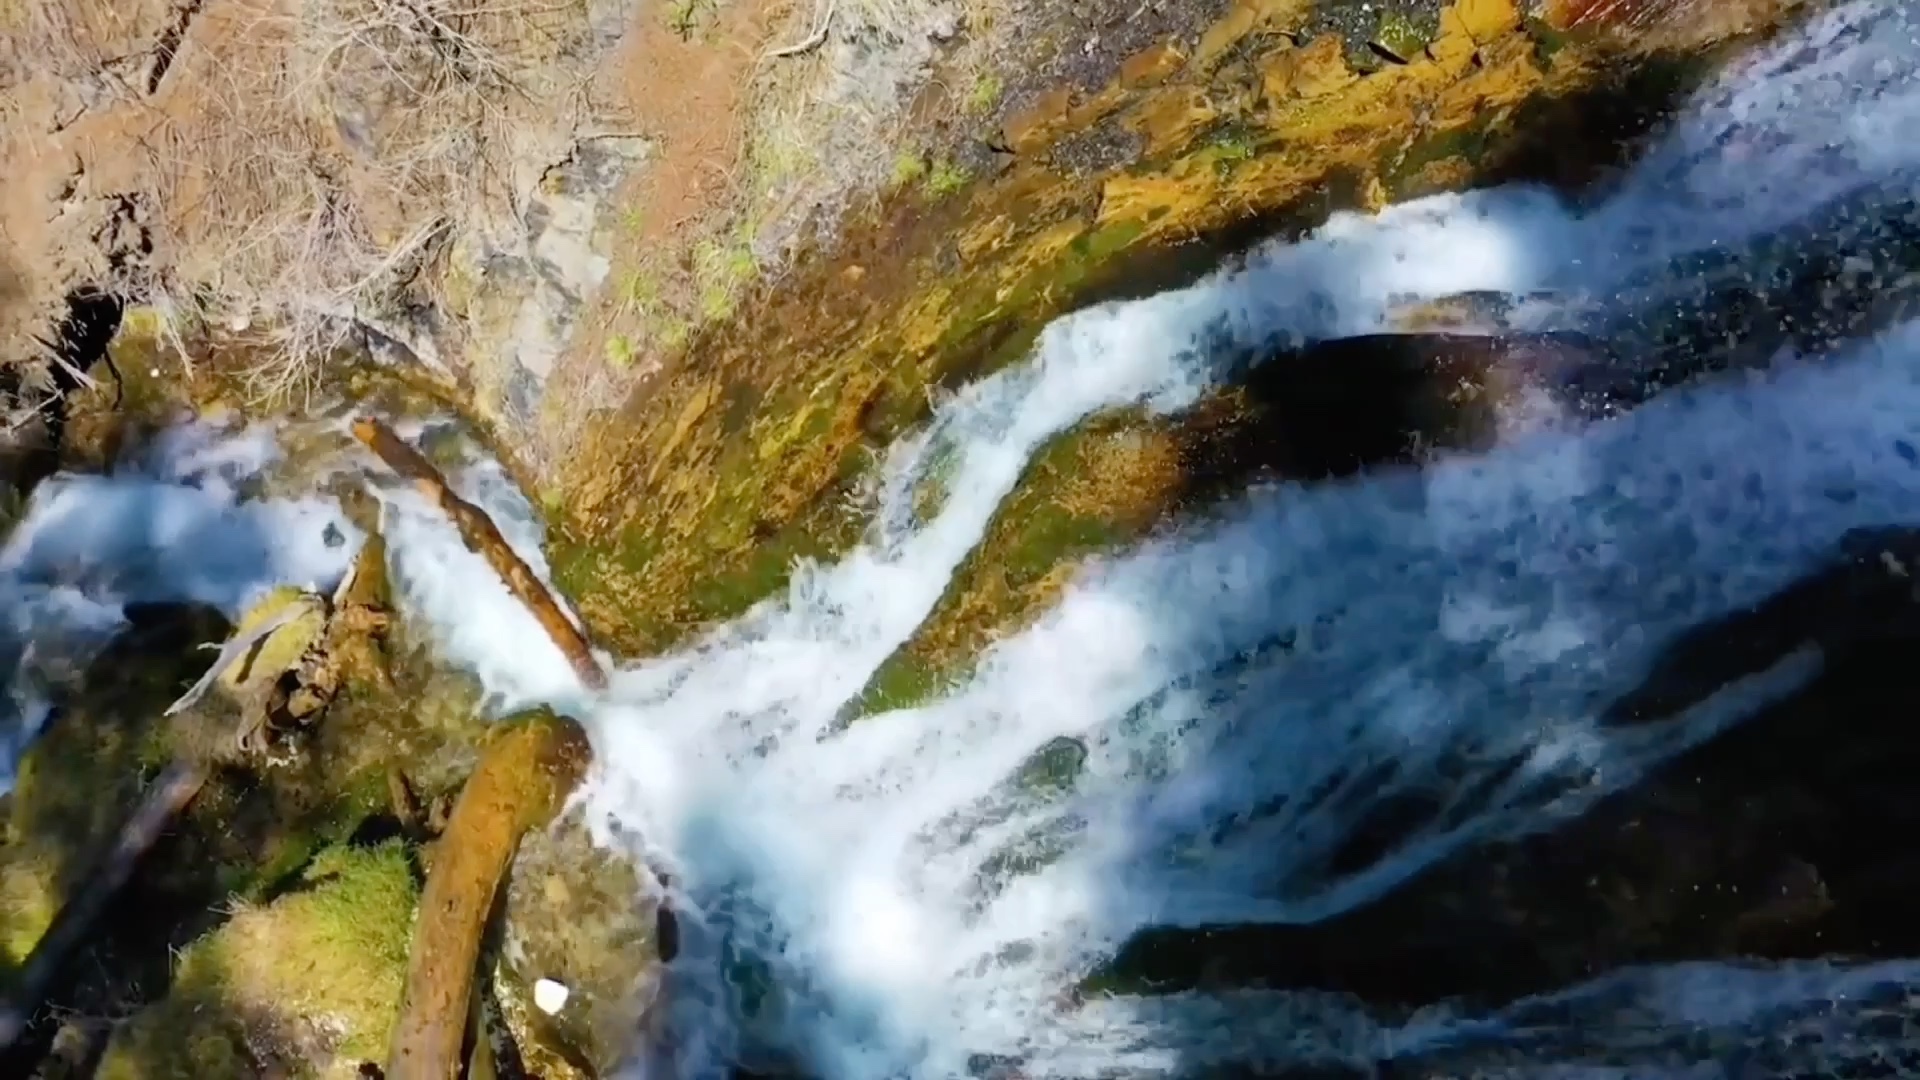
(1193, 732)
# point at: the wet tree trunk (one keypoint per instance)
(481, 535)
(522, 781)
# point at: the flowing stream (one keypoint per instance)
(1189, 736)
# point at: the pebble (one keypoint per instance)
(550, 996)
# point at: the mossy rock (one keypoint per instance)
(1101, 485)
(79, 779)
(29, 899)
(1323, 411)
(584, 917)
(305, 986)
(249, 832)
(305, 620)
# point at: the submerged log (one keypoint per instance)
(483, 537)
(74, 925)
(522, 781)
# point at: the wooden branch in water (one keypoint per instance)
(523, 779)
(164, 801)
(480, 535)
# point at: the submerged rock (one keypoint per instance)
(1322, 412)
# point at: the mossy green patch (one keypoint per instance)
(909, 166)
(985, 93)
(307, 986)
(944, 179)
(1404, 34)
(1094, 488)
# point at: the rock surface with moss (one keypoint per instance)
(589, 920)
(695, 500)
(304, 984)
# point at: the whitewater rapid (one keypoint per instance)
(1219, 706)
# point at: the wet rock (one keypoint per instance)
(725, 472)
(1777, 839)
(1337, 407)
(588, 919)
(1848, 271)
(1324, 411)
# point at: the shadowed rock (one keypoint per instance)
(1779, 839)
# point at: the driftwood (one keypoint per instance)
(523, 778)
(165, 799)
(481, 536)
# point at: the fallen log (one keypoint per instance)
(482, 537)
(73, 925)
(523, 779)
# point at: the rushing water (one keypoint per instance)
(1193, 731)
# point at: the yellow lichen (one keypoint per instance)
(306, 619)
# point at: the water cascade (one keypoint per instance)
(1193, 735)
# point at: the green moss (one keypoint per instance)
(985, 93)
(1469, 142)
(908, 168)
(684, 17)
(904, 681)
(620, 351)
(721, 271)
(944, 179)
(29, 898)
(310, 983)
(1094, 488)
(1546, 40)
(1228, 147)
(1405, 34)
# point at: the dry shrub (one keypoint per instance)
(77, 40)
(331, 147)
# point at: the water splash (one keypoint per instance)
(175, 523)
(1211, 715)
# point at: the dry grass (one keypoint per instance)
(316, 156)
(92, 42)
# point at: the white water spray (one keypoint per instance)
(171, 525)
